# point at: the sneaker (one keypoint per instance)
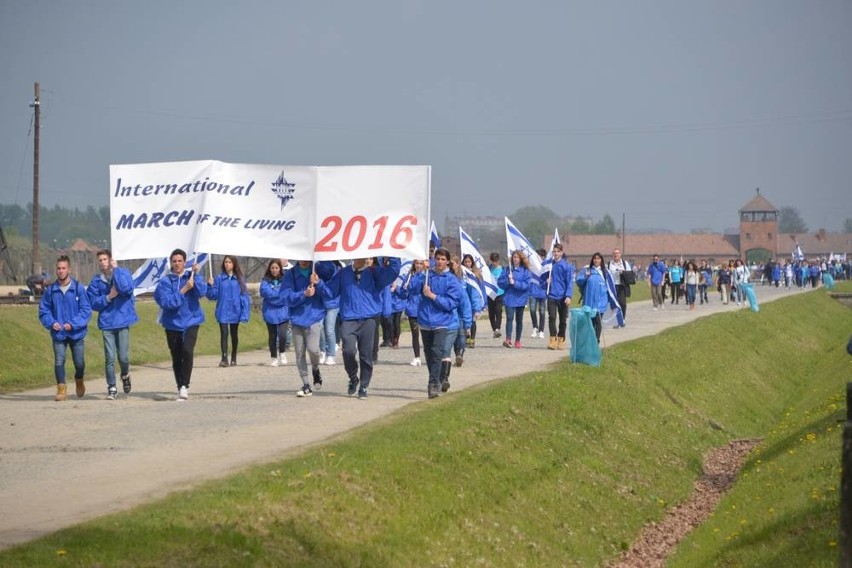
(234, 362)
(362, 393)
(518, 344)
(415, 362)
(507, 344)
(282, 359)
(183, 393)
(274, 362)
(322, 359)
(497, 333)
(655, 309)
(434, 390)
(125, 383)
(330, 361)
(81, 387)
(445, 385)
(353, 386)
(534, 333)
(317, 379)
(541, 334)
(459, 360)
(304, 391)
(112, 393)
(223, 362)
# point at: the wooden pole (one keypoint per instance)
(36, 105)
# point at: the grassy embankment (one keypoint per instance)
(555, 468)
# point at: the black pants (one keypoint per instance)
(277, 333)
(415, 335)
(621, 296)
(495, 313)
(556, 308)
(224, 330)
(596, 322)
(182, 347)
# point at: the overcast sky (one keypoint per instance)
(671, 112)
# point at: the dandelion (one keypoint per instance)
(60, 552)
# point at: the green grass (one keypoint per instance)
(560, 468)
(29, 364)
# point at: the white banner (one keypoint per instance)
(299, 212)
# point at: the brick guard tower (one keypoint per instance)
(758, 230)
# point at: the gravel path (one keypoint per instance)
(64, 463)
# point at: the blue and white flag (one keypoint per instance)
(515, 240)
(469, 247)
(147, 276)
(471, 280)
(614, 311)
(434, 238)
(548, 260)
(797, 253)
(404, 273)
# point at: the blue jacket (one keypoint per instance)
(274, 306)
(399, 299)
(121, 311)
(657, 271)
(325, 269)
(413, 290)
(232, 301)
(440, 312)
(561, 281)
(595, 294)
(304, 311)
(475, 296)
(179, 312)
(361, 294)
(517, 294)
(72, 307)
(536, 289)
(465, 310)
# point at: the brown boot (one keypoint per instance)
(552, 343)
(560, 343)
(81, 387)
(61, 392)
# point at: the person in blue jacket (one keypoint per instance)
(470, 264)
(360, 290)
(306, 291)
(656, 273)
(233, 305)
(179, 294)
(64, 309)
(111, 295)
(470, 304)
(414, 281)
(515, 280)
(328, 340)
(275, 310)
(595, 295)
(437, 317)
(559, 286)
(538, 301)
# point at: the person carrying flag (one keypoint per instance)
(560, 291)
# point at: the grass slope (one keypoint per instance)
(560, 468)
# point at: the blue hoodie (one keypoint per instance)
(179, 312)
(232, 298)
(517, 294)
(440, 312)
(304, 311)
(274, 307)
(71, 306)
(361, 293)
(120, 312)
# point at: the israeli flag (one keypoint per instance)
(471, 280)
(614, 312)
(797, 253)
(404, 273)
(515, 240)
(469, 247)
(147, 276)
(548, 260)
(434, 238)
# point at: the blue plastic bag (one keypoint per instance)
(751, 296)
(584, 343)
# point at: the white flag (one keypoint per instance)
(515, 240)
(147, 276)
(469, 247)
(548, 260)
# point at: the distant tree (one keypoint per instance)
(847, 225)
(790, 221)
(580, 227)
(527, 215)
(605, 226)
(535, 231)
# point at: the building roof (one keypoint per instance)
(815, 244)
(758, 203)
(666, 245)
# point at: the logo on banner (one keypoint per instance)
(283, 189)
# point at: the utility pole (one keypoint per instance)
(36, 264)
(623, 223)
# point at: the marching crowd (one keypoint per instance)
(316, 306)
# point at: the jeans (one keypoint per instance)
(537, 312)
(518, 315)
(329, 336)
(78, 356)
(437, 346)
(116, 339)
(690, 294)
